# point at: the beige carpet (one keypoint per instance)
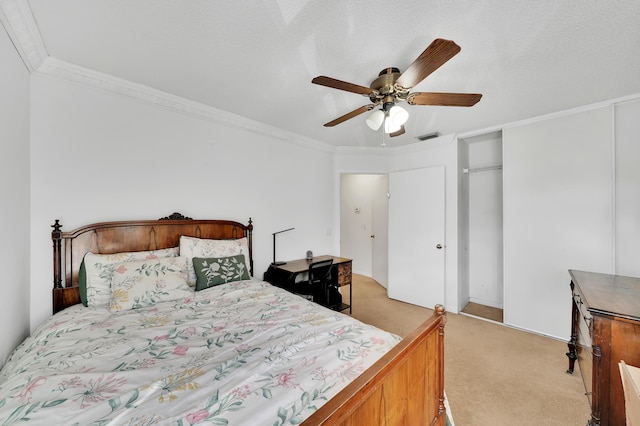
(494, 375)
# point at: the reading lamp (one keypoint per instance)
(274, 246)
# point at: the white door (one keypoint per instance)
(416, 236)
(380, 229)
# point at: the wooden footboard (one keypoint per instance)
(405, 387)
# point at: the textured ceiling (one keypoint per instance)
(256, 59)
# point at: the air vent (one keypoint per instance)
(428, 136)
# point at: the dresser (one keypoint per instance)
(605, 328)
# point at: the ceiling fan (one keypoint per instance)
(392, 87)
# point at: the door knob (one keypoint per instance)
(439, 246)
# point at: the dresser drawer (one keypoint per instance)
(344, 273)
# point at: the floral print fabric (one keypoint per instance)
(146, 282)
(243, 353)
(100, 269)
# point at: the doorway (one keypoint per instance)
(364, 207)
(392, 226)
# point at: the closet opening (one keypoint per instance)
(484, 246)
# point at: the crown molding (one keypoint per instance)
(17, 19)
(389, 150)
(57, 68)
(602, 104)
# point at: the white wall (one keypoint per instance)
(558, 214)
(14, 190)
(627, 196)
(98, 156)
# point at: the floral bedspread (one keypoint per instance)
(239, 353)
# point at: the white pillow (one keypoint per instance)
(147, 282)
(191, 247)
(99, 270)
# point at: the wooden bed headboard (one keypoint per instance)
(128, 236)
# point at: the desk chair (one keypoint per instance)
(324, 288)
(311, 284)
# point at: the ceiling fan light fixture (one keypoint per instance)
(392, 87)
(390, 126)
(398, 116)
(374, 121)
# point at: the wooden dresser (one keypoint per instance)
(605, 328)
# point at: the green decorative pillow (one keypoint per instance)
(191, 247)
(219, 270)
(82, 283)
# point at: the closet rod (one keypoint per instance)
(482, 169)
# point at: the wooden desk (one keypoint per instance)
(605, 329)
(284, 275)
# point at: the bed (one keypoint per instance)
(149, 348)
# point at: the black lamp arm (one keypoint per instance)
(274, 246)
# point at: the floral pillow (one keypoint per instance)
(97, 270)
(146, 282)
(191, 247)
(215, 271)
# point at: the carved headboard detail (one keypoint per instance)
(127, 236)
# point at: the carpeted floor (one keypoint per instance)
(494, 375)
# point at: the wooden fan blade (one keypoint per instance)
(398, 133)
(444, 99)
(341, 85)
(434, 56)
(349, 115)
